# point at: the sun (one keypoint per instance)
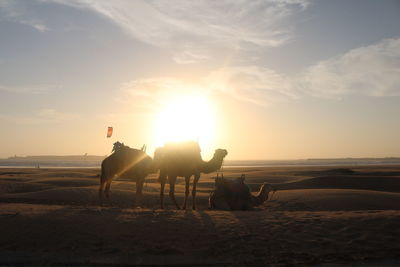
(185, 118)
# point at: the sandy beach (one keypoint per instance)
(319, 215)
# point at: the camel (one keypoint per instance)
(127, 162)
(183, 159)
(236, 195)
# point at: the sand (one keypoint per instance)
(319, 215)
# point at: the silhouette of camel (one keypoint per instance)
(183, 159)
(128, 162)
(235, 194)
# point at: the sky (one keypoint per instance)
(264, 79)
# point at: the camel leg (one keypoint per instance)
(103, 179)
(139, 188)
(187, 181)
(196, 179)
(107, 191)
(101, 192)
(211, 201)
(162, 179)
(172, 181)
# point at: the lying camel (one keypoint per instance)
(236, 195)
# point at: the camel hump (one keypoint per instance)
(186, 146)
(122, 149)
(189, 150)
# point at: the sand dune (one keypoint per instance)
(8, 187)
(388, 184)
(335, 200)
(69, 182)
(317, 216)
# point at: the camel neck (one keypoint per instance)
(212, 165)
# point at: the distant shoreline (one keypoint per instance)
(47, 163)
(93, 161)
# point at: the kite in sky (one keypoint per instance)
(109, 132)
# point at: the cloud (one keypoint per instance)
(187, 57)
(19, 12)
(30, 89)
(148, 94)
(371, 71)
(41, 116)
(191, 29)
(53, 115)
(251, 84)
(366, 71)
(161, 86)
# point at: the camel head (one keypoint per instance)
(220, 153)
(215, 163)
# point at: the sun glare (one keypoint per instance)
(185, 118)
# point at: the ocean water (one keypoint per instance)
(49, 164)
(312, 162)
(20, 163)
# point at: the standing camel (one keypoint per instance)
(128, 162)
(184, 160)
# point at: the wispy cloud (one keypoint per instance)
(252, 84)
(369, 71)
(30, 89)
(191, 29)
(41, 116)
(372, 70)
(18, 11)
(149, 94)
(158, 86)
